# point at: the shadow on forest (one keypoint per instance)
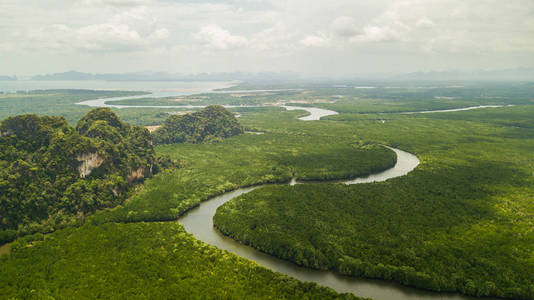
(431, 200)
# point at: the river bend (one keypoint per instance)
(314, 112)
(199, 222)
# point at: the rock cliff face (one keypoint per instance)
(136, 174)
(89, 162)
(80, 170)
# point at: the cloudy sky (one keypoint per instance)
(330, 37)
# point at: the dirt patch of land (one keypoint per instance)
(250, 95)
(311, 101)
(152, 128)
(179, 112)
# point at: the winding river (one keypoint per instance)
(199, 221)
(315, 113)
(454, 109)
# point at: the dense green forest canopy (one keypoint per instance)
(52, 174)
(245, 160)
(211, 124)
(462, 221)
(160, 259)
(140, 261)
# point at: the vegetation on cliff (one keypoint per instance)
(211, 124)
(52, 174)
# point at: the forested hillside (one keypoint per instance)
(52, 174)
(211, 124)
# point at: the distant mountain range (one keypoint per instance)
(520, 74)
(163, 76)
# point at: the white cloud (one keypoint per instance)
(345, 26)
(318, 40)
(119, 3)
(377, 34)
(123, 31)
(386, 27)
(140, 19)
(216, 37)
(98, 37)
(106, 37)
(265, 35)
(424, 22)
(162, 33)
(276, 39)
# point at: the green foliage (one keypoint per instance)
(462, 221)
(98, 117)
(211, 124)
(212, 169)
(52, 175)
(402, 96)
(224, 98)
(7, 236)
(131, 261)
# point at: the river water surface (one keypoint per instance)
(453, 109)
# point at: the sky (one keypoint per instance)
(334, 37)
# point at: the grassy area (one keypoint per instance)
(461, 222)
(380, 97)
(237, 98)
